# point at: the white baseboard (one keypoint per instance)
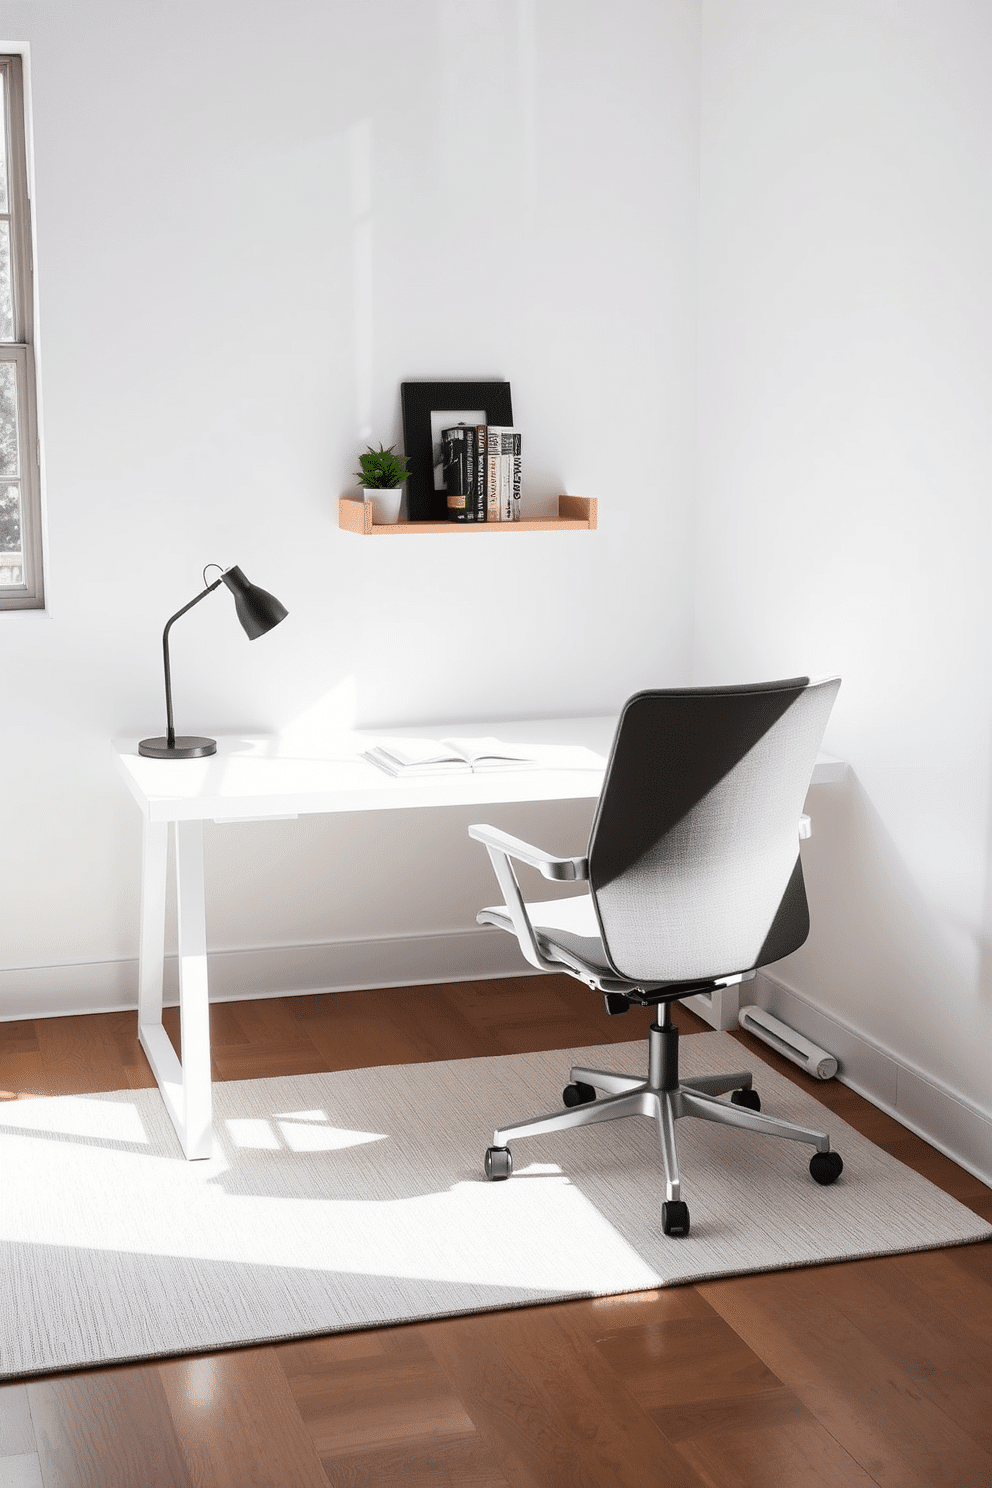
(67, 988)
(945, 1119)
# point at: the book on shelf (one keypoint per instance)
(467, 756)
(458, 463)
(515, 479)
(503, 474)
(480, 472)
(492, 476)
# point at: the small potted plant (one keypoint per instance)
(382, 476)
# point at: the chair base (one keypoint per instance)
(666, 1099)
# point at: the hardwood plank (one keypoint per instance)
(338, 1389)
(81, 1054)
(437, 1461)
(976, 1261)
(765, 1450)
(107, 1428)
(919, 1316)
(548, 1405)
(236, 1422)
(78, 1056)
(242, 1061)
(257, 1021)
(22, 1068)
(19, 1036)
(22, 1076)
(601, 1317)
(724, 1409)
(856, 1389)
(170, 1022)
(16, 1428)
(517, 1015)
(357, 1030)
(688, 1361)
(381, 1412)
(122, 1036)
(961, 1292)
(432, 1025)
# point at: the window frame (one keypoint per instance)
(30, 593)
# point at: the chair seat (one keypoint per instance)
(567, 931)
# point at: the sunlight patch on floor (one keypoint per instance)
(313, 1209)
(77, 1116)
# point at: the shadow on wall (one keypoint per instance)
(877, 952)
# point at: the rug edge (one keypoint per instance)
(551, 1300)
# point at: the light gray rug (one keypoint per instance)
(353, 1199)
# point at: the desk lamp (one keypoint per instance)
(258, 612)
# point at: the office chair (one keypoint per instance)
(694, 883)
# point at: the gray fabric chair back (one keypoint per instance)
(694, 861)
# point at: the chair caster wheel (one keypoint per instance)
(499, 1163)
(675, 1217)
(578, 1094)
(826, 1167)
(749, 1098)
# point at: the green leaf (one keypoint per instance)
(381, 469)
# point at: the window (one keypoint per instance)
(21, 586)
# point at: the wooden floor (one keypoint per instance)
(870, 1372)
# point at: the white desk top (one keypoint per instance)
(268, 776)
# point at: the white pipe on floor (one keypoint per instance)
(815, 1061)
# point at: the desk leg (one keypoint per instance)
(185, 1086)
(151, 954)
(194, 1006)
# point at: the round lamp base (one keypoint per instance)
(187, 746)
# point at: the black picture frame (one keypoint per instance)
(419, 400)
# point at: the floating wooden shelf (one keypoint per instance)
(575, 514)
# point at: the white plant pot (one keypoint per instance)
(385, 505)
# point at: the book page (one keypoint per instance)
(420, 751)
(480, 750)
(412, 756)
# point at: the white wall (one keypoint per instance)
(845, 464)
(249, 232)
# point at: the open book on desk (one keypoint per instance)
(409, 757)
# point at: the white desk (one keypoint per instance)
(268, 778)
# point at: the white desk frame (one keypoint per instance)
(267, 779)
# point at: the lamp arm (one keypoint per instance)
(170, 728)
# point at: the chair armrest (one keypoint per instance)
(513, 847)
(501, 848)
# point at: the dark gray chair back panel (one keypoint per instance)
(694, 853)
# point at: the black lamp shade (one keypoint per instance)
(257, 610)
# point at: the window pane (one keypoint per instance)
(6, 292)
(21, 569)
(9, 462)
(4, 207)
(11, 554)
